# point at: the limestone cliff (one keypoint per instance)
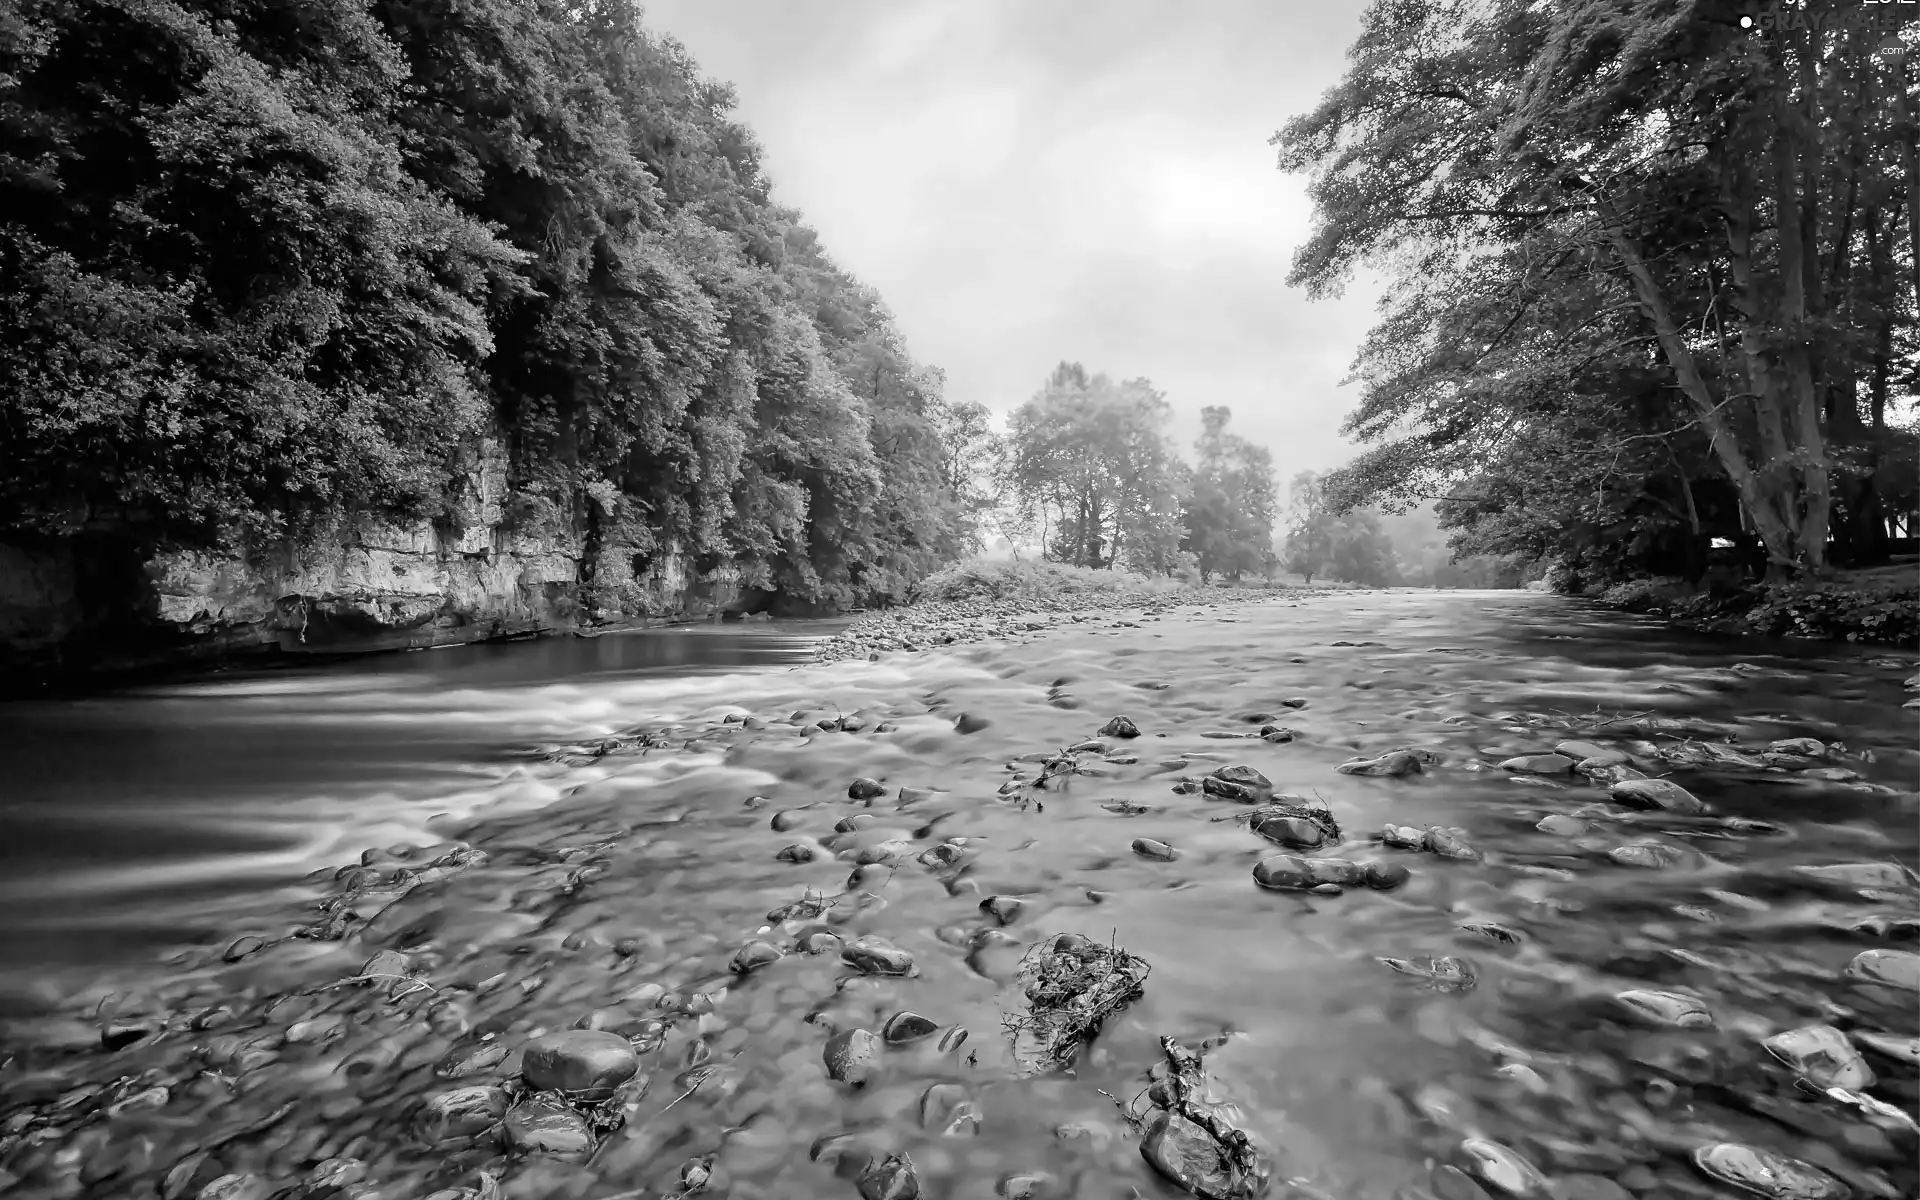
(490, 569)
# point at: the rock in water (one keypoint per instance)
(753, 955)
(877, 956)
(1188, 1141)
(1187, 1155)
(1862, 875)
(1660, 794)
(1292, 873)
(586, 1064)
(864, 788)
(1122, 727)
(1765, 1173)
(448, 1118)
(1823, 1055)
(1238, 783)
(850, 1056)
(1393, 762)
(1501, 1169)
(1295, 833)
(969, 723)
(1593, 752)
(1069, 985)
(1891, 968)
(1539, 764)
(888, 1178)
(1149, 848)
(1665, 1008)
(544, 1125)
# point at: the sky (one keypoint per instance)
(1027, 182)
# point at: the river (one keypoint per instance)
(161, 843)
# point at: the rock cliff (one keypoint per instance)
(491, 568)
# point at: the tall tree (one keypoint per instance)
(1229, 511)
(1618, 194)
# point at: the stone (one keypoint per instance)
(850, 1056)
(1765, 1173)
(1445, 973)
(1862, 875)
(1583, 752)
(1392, 763)
(1149, 848)
(1287, 872)
(1823, 1055)
(1538, 764)
(1005, 910)
(754, 955)
(244, 946)
(1120, 727)
(1296, 833)
(1665, 1008)
(1294, 702)
(785, 819)
(798, 852)
(864, 788)
(1503, 1171)
(854, 823)
(1804, 747)
(585, 1064)
(889, 1177)
(1900, 1049)
(877, 956)
(1451, 843)
(1404, 837)
(1891, 968)
(905, 1028)
(236, 1187)
(944, 855)
(1648, 855)
(970, 723)
(1656, 794)
(1278, 735)
(1562, 826)
(1187, 1155)
(1384, 876)
(460, 1115)
(946, 1110)
(546, 1125)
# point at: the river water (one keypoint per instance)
(160, 845)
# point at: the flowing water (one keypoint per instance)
(586, 834)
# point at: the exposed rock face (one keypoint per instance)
(497, 566)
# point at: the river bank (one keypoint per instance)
(800, 902)
(1879, 607)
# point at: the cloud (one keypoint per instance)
(1031, 181)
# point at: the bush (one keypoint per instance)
(1841, 611)
(1019, 578)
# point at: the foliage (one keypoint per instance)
(1323, 540)
(1655, 275)
(1885, 612)
(268, 266)
(1002, 580)
(1228, 512)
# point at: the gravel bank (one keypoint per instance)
(957, 622)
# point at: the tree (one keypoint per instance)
(1323, 540)
(1087, 462)
(1609, 198)
(1229, 510)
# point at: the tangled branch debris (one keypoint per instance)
(1071, 985)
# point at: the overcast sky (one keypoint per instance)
(1031, 181)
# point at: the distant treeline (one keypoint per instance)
(265, 264)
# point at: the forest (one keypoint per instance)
(270, 264)
(1651, 280)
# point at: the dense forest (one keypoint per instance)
(1653, 278)
(268, 265)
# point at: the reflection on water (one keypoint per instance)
(1621, 967)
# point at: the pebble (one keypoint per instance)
(1658, 794)
(1502, 1170)
(1149, 848)
(1862, 875)
(1003, 909)
(1119, 727)
(1394, 762)
(1451, 843)
(889, 1177)
(1665, 1008)
(459, 1115)
(1538, 764)
(877, 956)
(785, 819)
(1893, 968)
(1385, 876)
(546, 1125)
(1823, 1055)
(850, 1056)
(798, 852)
(946, 1110)
(1187, 1155)
(1287, 872)
(754, 955)
(1589, 752)
(967, 723)
(1765, 1173)
(864, 788)
(1648, 855)
(586, 1064)
(905, 1028)
(1295, 833)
